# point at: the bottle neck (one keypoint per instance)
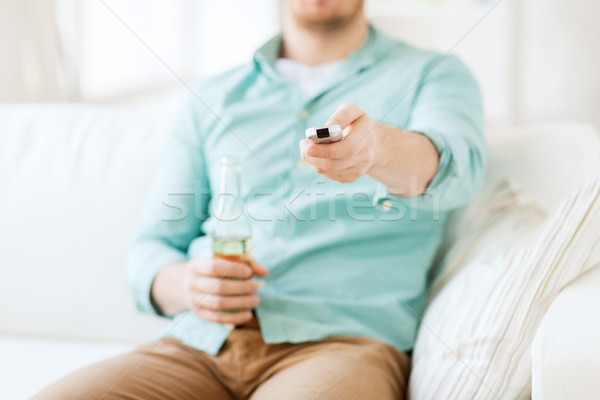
(231, 222)
(229, 201)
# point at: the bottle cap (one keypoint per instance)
(229, 160)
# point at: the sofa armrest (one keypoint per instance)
(566, 348)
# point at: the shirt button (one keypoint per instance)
(304, 114)
(278, 240)
(300, 164)
(385, 205)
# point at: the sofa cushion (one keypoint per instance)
(476, 335)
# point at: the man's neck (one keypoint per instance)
(319, 46)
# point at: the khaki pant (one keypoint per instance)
(246, 367)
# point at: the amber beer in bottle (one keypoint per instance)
(231, 236)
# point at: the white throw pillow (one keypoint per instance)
(493, 289)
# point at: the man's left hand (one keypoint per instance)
(347, 160)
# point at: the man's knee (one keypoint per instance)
(340, 368)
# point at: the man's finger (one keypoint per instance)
(347, 148)
(258, 269)
(333, 151)
(216, 302)
(226, 287)
(346, 175)
(345, 115)
(223, 269)
(223, 318)
(330, 165)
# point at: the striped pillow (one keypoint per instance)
(492, 291)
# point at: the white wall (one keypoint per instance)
(560, 60)
(229, 31)
(482, 37)
(536, 60)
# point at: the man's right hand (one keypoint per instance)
(209, 288)
(215, 287)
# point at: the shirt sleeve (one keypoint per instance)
(174, 209)
(447, 109)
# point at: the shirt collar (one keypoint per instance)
(366, 55)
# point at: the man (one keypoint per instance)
(343, 233)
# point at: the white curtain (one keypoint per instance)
(32, 67)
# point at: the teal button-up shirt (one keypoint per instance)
(344, 259)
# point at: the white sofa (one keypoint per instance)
(72, 179)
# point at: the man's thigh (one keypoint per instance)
(338, 368)
(163, 370)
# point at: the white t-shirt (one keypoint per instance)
(310, 79)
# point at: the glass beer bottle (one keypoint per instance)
(231, 236)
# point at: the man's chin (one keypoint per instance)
(323, 23)
(326, 14)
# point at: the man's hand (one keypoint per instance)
(210, 288)
(349, 159)
(405, 162)
(213, 287)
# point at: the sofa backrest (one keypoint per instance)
(72, 179)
